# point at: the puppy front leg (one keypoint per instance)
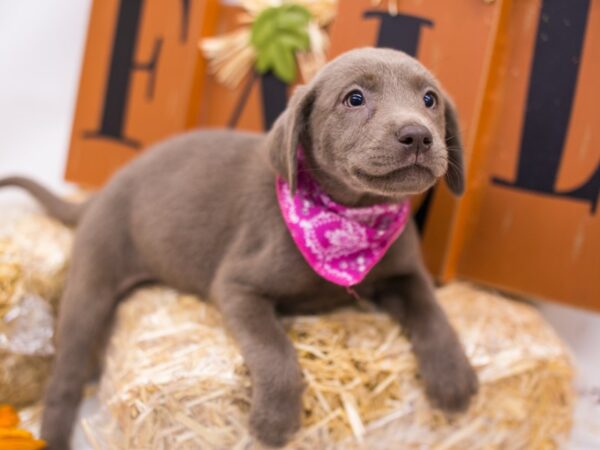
(272, 361)
(449, 379)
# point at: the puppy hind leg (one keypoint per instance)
(86, 308)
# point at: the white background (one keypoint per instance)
(41, 45)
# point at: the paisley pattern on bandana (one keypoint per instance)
(340, 243)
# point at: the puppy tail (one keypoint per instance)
(67, 212)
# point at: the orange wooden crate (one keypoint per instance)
(528, 222)
(141, 81)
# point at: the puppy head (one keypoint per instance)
(374, 123)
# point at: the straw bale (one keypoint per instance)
(34, 253)
(175, 380)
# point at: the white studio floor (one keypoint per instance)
(41, 44)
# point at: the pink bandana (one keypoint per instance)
(341, 244)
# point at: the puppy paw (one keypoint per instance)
(274, 428)
(55, 440)
(275, 418)
(450, 381)
(57, 444)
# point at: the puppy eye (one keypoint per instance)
(354, 98)
(429, 99)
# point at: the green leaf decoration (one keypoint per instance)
(277, 34)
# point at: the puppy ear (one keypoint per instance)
(455, 176)
(289, 130)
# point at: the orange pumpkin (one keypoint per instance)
(12, 438)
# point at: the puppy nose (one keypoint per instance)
(415, 138)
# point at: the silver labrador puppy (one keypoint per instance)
(199, 213)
